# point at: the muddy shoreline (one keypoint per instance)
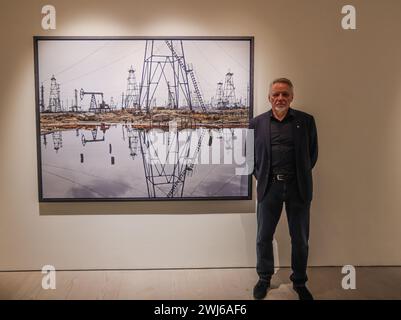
(161, 119)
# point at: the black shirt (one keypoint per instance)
(282, 144)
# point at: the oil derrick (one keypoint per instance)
(112, 104)
(229, 91)
(75, 107)
(248, 94)
(164, 61)
(54, 99)
(219, 95)
(171, 99)
(58, 94)
(228, 138)
(94, 105)
(41, 99)
(132, 93)
(165, 177)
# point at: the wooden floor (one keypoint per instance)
(324, 283)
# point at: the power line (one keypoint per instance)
(235, 60)
(100, 68)
(77, 62)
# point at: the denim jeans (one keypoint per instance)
(268, 215)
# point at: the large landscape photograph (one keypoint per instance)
(143, 118)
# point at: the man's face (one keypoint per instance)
(280, 96)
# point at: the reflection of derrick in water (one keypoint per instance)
(189, 166)
(165, 177)
(133, 140)
(103, 128)
(57, 137)
(219, 95)
(229, 137)
(44, 140)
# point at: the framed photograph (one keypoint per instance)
(143, 118)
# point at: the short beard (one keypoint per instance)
(280, 110)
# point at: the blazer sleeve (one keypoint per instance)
(313, 147)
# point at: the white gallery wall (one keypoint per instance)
(349, 80)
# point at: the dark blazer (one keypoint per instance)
(306, 150)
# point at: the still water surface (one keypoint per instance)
(122, 162)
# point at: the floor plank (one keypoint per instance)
(219, 284)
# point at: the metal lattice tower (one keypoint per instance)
(165, 177)
(171, 99)
(54, 99)
(248, 94)
(93, 105)
(219, 95)
(112, 104)
(165, 173)
(132, 93)
(164, 61)
(76, 99)
(229, 90)
(41, 99)
(75, 107)
(58, 94)
(133, 141)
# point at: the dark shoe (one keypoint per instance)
(260, 289)
(303, 292)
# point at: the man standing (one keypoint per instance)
(285, 153)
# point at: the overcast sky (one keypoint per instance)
(102, 65)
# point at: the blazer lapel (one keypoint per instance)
(297, 130)
(267, 132)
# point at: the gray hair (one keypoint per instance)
(281, 80)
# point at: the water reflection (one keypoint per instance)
(94, 132)
(166, 170)
(122, 161)
(57, 140)
(44, 139)
(133, 140)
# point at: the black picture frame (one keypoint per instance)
(48, 120)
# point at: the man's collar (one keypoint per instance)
(290, 113)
